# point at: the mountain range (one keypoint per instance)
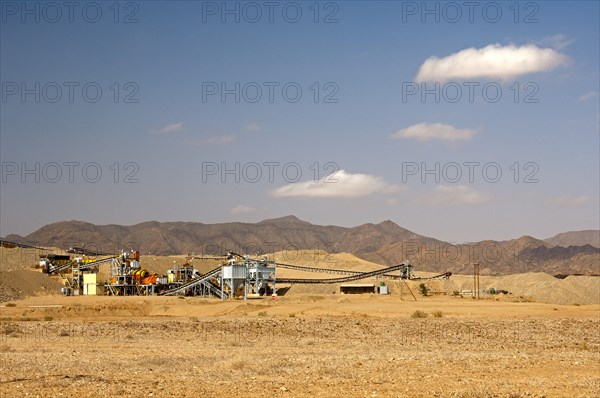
(385, 243)
(576, 238)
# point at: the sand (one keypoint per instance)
(297, 346)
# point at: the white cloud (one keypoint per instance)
(434, 131)
(171, 128)
(492, 61)
(455, 195)
(221, 139)
(569, 200)
(588, 96)
(242, 209)
(558, 42)
(339, 185)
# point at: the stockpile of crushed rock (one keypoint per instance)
(18, 284)
(539, 286)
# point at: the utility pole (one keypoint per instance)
(476, 281)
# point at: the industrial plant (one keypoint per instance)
(238, 276)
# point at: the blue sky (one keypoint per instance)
(161, 133)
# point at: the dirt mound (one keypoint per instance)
(539, 286)
(18, 258)
(18, 284)
(18, 279)
(160, 264)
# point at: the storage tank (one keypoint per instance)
(234, 272)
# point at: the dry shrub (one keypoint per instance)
(419, 314)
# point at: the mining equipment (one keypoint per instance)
(238, 276)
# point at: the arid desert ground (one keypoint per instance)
(316, 343)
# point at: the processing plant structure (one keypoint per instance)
(238, 276)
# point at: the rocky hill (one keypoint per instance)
(575, 238)
(385, 243)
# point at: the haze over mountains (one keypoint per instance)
(385, 243)
(576, 238)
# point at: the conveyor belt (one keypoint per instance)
(445, 275)
(363, 275)
(86, 252)
(61, 267)
(350, 278)
(9, 244)
(310, 269)
(204, 280)
(81, 266)
(313, 269)
(352, 275)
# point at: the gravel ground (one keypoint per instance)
(298, 348)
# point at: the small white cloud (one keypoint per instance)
(588, 96)
(434, 131)
(569, 200)
(221, 139)
(339, 185)
(242, 209)
(253, 127)
(455, 195)
(171, 128)
(491, 62)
